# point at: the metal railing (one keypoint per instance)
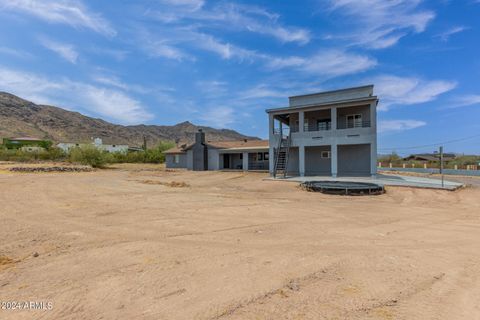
(353, 124)
(321, 126)
(285, 132)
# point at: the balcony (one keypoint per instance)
(320, 126)
(353, 124)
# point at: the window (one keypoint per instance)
(241, 156)
(176, 158)
(260, 156)
(266, 156)
(324, 124)
(325, 155)
(305, 125)
(354, 121)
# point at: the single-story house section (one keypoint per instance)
(97, 143)
(430, 157)
(219, 155)
(21, 142)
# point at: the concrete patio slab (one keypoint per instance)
(384, 180)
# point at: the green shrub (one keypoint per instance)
(89, 155)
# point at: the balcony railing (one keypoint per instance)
(321, 126)
(353, 124)
(324, 126)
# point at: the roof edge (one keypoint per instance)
(333, 91)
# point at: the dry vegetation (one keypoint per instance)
(127, 243)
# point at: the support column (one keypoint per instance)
(334, 159)
(271, 158)
(301, 120)
(333, 115)
(271, 143)
(245, 161)
(373, 145)
(301, 160)
(271, 122)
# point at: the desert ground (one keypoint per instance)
(140, 242)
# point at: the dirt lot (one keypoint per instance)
(143, 243)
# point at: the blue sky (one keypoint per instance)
(222, 63)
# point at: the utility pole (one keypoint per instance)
(144, 147)
(441, 164)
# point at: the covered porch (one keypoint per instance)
(251, 160)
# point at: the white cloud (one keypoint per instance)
(73, 13)
(64, 50)
(175, 43)
(118, 55)
(445, 36)
(228, 16)
(465, 101)
(111, 81)
(110, 103)
(262, 91)
(327, 63)
(380, 24)
(399, 125)
(15, 52)
(212, 88)
(394, 90)
(258, 20)
(220, 117)
(192, 5)
(223, 49)
(165, 50)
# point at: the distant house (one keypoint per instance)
(26, 143)
(97, 143)
(219, 155)
(430, 157)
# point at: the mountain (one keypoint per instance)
(19, 117)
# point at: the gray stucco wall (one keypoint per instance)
(213, 159)
(190, 160)
(170, 161)
(200, 162)
(322, 97)
(292, 168)
(354, 160)
(315, 165)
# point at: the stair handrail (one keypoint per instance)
(277, 155)
(287, 153)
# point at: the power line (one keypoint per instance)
(434, 144)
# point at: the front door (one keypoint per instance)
(226, 161)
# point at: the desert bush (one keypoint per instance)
(53, 154)
(154, 155)
(89, 155)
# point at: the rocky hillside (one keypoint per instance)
(19, 117)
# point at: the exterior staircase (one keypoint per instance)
(281, 155)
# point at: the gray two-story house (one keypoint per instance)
(329, 133)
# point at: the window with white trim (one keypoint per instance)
(176, 158)
(354, 121)
(325, 155)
